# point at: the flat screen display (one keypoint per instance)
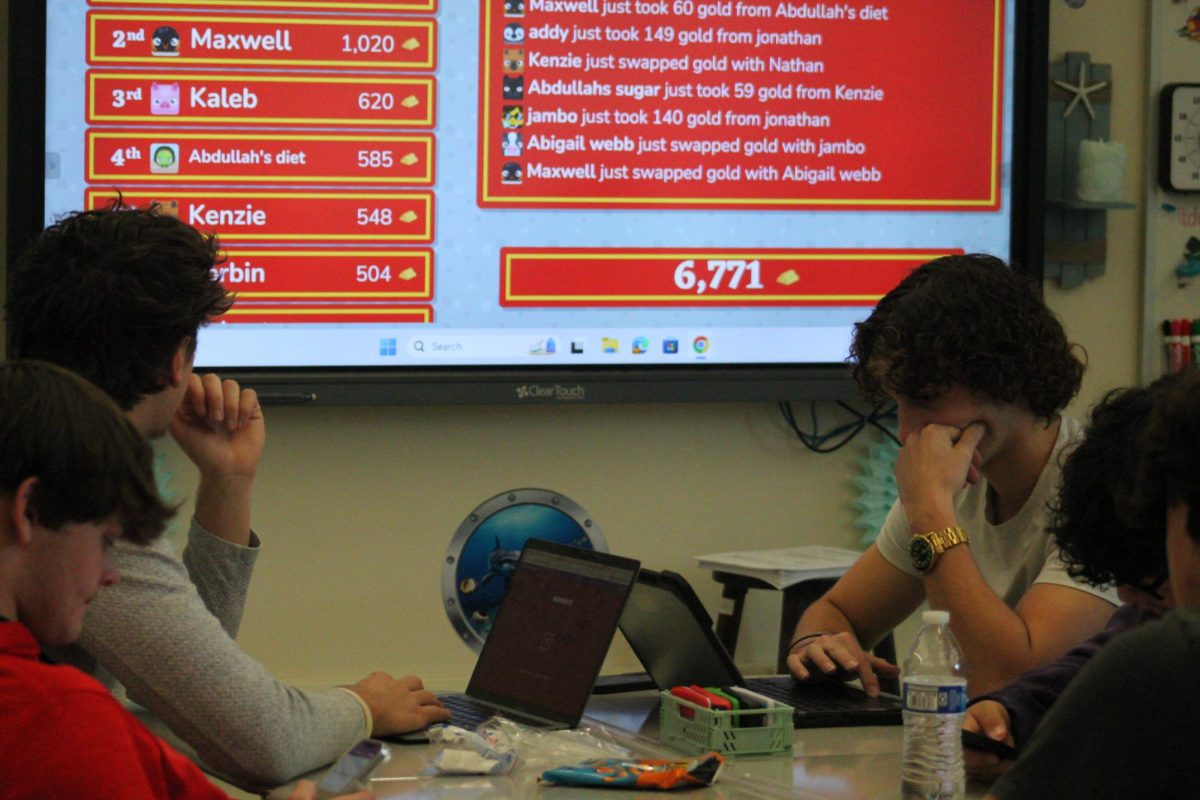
(543, 191)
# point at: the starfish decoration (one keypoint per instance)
(1081, 90)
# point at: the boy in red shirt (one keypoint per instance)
(74, 478)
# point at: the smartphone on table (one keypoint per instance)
(977, 741)
(350, 772)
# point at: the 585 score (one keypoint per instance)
(715, 274)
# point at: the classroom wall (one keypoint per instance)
(357, 505)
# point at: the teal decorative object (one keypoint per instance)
(876, 484)
(162, 479)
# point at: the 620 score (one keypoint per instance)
(718, 273)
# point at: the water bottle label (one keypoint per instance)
(935, 699)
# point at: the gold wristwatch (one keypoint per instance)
(925, 548)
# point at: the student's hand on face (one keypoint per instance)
(220, 427)
(935, 463)
(841, 657)
(399, 705)
(307, 790)
(992, 720)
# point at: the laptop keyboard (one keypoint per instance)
(465, 712)
(805, 701)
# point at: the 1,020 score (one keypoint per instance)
(718, 271)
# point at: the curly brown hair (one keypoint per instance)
(1102, 537)
(1166, 474)
(111, 294)
(971, 321)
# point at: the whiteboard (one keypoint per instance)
(1171, 217)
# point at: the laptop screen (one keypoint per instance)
(671, 634)
(553, 630)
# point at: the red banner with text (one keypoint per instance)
(548, 277)
(739, 105)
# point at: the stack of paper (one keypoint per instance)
(784, 567)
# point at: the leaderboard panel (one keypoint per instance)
(570, 182)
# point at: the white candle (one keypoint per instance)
(1101, 171)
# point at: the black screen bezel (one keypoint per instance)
(539, 384)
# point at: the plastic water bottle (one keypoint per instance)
(934, 690)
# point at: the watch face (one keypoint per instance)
(921, 553)
(1184, 132)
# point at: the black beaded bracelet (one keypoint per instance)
(800, 639)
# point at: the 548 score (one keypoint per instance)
(715, 274)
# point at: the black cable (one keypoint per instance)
(876, 417)
(817, 442)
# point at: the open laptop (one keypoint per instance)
(672, 635)
(549, 640)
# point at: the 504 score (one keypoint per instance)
(714, 274)
(373, 273)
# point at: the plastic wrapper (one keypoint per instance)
(498, 744)
(616, 773)
(539, 749)
(458, 751)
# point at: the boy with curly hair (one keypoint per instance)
(118, 295)
(1128, 723)
(980, 370)
(1100, 543)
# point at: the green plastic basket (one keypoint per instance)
(694, 729)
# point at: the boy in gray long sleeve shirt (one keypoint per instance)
(118, 295)
(166, 632)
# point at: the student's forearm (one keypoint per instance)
(996, 642)
(868, 601)
(822, 616)
(223, 506)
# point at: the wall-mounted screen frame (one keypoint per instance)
(531, 205)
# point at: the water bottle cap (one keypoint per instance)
(935, 617)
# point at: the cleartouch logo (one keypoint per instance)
(551, 391)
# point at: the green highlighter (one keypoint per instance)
(735, 703)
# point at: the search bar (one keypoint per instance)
(467, 346)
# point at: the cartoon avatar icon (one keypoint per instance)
(165, 208)
(512, 144)
(165, 41)
(512, 117)
(164, 98)
(164, 159)
(514, 8)
(514, 60)
(513, 87)
(514, 33)
(511, 173)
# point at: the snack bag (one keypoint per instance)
(619, 773)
